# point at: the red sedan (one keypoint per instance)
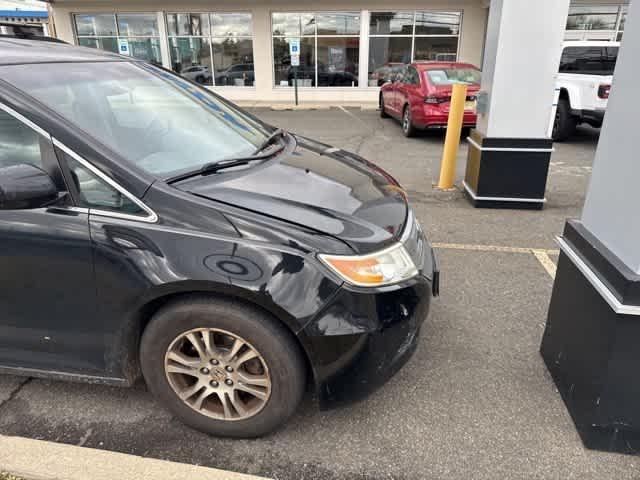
(420, 95)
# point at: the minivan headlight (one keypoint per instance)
(391, 265)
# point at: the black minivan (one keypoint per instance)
(149, 227)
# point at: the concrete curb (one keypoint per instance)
(40, 460)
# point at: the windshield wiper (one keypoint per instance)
(278, 132)
(214, 167)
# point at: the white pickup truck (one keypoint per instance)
(584, 82)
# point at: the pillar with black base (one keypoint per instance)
(591, 343)
(510, 149)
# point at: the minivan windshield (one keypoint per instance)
(150, 117)
(450, 76)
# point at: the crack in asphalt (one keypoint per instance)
(15, 392)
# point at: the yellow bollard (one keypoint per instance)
(452, 139)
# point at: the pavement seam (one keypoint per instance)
(15, 392)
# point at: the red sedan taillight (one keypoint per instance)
(434, 100)
(603, 91)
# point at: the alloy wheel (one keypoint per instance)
(218, 374)
(406, 120)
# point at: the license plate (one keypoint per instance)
(470, 105)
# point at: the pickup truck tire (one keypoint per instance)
(565, 124)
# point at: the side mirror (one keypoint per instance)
(25, 186)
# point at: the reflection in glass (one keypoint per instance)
(391, 23)
(385, 53)
(104, 43)
(597, 17)
(293, 24)
(150, 117)
(96, 193)
(338, 61)
(282, 62)
(231, 24)
(441, 49)
(343, 23)
(187, 24)
(191, 58)
(101, 24)
(137, 24)
(589, 60)
(437, 23)
(623, 17)
(147, 49)
(233, 61)
(18, 143)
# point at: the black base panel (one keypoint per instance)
(593, 356)
(507, 174)
(594, 437)
(504, 205)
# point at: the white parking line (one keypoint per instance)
(493, 248)
(546, 262)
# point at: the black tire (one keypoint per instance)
(565, 124)
(383, 112)
(408, 129)
(200, 79)
(273, 341)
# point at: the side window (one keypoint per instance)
(411, 77)
(18, 143)
(94, 192)
(399, 74)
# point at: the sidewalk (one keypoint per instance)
(40, 460)
(306, 105)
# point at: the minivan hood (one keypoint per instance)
(321, 188)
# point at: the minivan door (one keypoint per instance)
(47, 290)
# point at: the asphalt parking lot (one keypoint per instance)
(475, 401)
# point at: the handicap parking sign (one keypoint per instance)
(123, 46)
(294, 46)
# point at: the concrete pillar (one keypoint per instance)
(509, 151)
(591, 342)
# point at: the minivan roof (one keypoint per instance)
(16, 51)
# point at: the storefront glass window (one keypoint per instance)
(212, 49)
(187, 24)
(437, 23)
(191, 58)
(95, 25)
(137, 33)
(104, 43)
(138, 24)
(439, 49)
(329, 44)
(598, 17)
(293, 24)
(345, 23)
(284, 74)
(397, 38)
(391, 23)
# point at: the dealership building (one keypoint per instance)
(240, 48)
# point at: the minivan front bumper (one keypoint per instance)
(363, 337)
